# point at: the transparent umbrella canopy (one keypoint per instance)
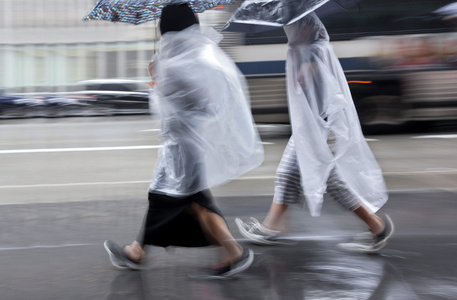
(263, 15)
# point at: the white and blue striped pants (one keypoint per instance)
(288, 187)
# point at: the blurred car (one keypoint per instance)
(65, 105)
(19, 105)
(7, 104)
(114, 96)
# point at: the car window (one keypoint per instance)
(114, 87)
(92, 87)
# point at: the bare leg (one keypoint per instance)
(213, 225)
(216, 229)
(375, 224)
(275, 218)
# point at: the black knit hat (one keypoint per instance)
(176, 18)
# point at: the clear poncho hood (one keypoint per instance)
(208, 132)
(320, 102)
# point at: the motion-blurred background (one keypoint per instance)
(399, 57)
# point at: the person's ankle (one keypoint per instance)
(134, 251)
(378, 226)
(236, 255)
(273, 227)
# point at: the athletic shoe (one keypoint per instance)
(119, 258)
(369, 243)
(257, 233)
(228, 272)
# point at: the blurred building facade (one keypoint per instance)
(45, 45)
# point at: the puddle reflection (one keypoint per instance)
(309, 270)
(330, 274)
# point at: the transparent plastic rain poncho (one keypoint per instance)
(207, 129)
(319, 103)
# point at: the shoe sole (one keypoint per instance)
(230, 274)
(134, 266)
(356, 247)
(370, 249)
(247, 264)
(255, 238)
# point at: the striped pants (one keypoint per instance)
(288, 187)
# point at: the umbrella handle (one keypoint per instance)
(156, 35)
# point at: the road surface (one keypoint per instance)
(67, 185)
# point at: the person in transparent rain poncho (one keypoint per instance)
(327, 151)
(208, 137)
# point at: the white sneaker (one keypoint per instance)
(369, 243)
(257, 233)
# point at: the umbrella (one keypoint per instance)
(140, 11)
(261, 15)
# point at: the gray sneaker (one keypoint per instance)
(119, 258)
(369, 243)
(257, 233)
(230, 271)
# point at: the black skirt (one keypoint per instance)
(168, 221)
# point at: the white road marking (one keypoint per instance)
(266, 177)
(71, 184)
(441, 169)
(45, 247)
(441, 136)
(429, 171)
(149, 130)
(83, 123)
(50, 150)
(117, 148)
(255, 177)
(107, 183)
(74, 141)
(372, 140)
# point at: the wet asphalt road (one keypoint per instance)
(54, 251)
(56, 209)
